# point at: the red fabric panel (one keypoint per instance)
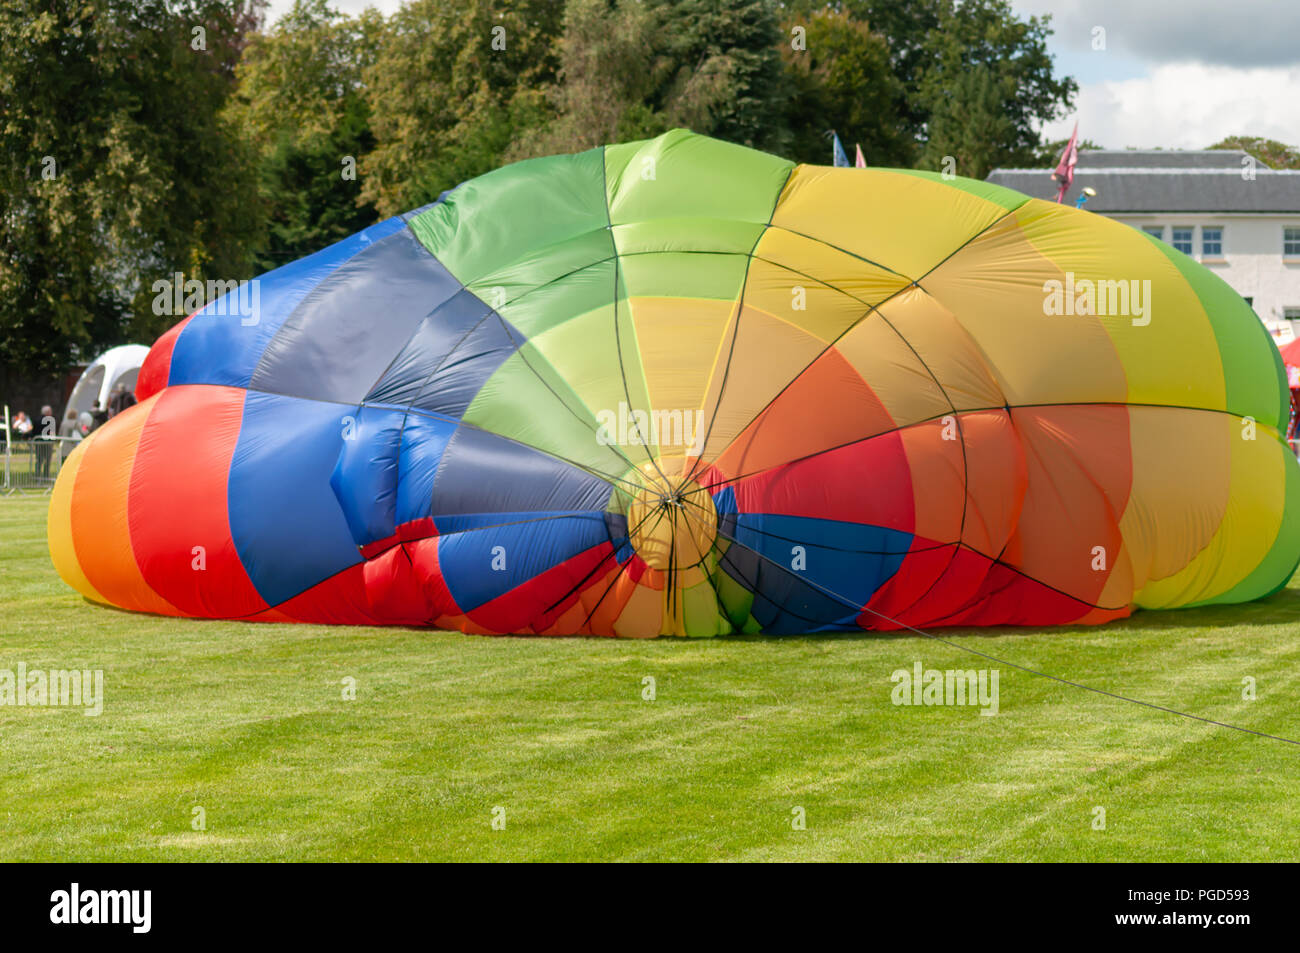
(178, 502)
(157, 366)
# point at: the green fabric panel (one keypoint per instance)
(734, 598)
(527, 401)
(688, 235)
(1279, 565)
(539, 309)
(700, 613)
(584, 352)
(540, 267)
(684, 275)
(1008, 199)
(660, 178)
(1254, 379)
(510, 213)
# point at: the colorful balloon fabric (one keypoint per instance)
(682, 387)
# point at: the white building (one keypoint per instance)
(1221, 207)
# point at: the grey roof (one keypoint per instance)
(1162, 159)
(1137, 181)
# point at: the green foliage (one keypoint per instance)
(301, 106)
(114, 167)
(236, 158)
(453, 83)
(1270, 152)
(843, 80)
(1049, 153)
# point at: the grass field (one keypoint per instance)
(248, 722)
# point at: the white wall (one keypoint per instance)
(1252, 260)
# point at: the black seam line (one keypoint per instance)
(915, 282)
(406, 413)
(969, 410)
(735, 334)
(955, 544)
(614, 299)
(1032, 671)
(433, 415)
(618, 575)
(519, 350)
(613, 555)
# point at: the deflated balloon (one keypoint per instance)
(682, 387)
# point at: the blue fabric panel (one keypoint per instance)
(483, 473)
(845, 563)
(365, 478)
(284, 517)
(341, 337)
(423, 441)
(529, 543)
(459, 330)
(220, 349)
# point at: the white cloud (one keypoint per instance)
(1188, 106)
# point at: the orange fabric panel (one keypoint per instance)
(100, 520)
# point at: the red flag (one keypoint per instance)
(1064, 173)
(861, 163)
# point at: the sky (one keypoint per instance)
(1179, 74)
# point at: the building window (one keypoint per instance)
(1211, 242)
(1158, 231)
(1183, 240)
(1291, 242)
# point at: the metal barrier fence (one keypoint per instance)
(33, 464)
(31, 461)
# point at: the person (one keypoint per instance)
(44, 442)
(98, 417)
(120, 401)
(69, 434)
(69, 429)
(22, 425)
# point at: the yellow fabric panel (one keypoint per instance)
(1181, 481)
(942, 344)
(893, 371)
(815, 286)
(1248, 525)
(680, 341)
(994, 286)
(1170, 356)
(914, 222)
(767, 353)
(59, 525)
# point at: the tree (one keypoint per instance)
(689, 71)
(1049, 153)
(977, 80)
(302, 107)
(114, 169)
(453, 83)
(843, 81)
(1269, 152)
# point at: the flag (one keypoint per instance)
(861, 162)
(1064, 173)
(837, 152)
